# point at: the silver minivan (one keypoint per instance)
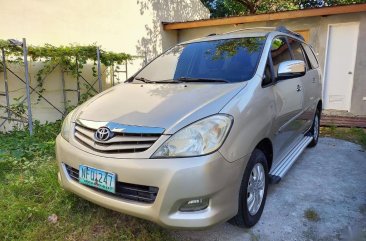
(195, 137)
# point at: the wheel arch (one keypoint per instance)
(266, 146)
(320, 106)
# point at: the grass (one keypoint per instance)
(311, 215)
(356, 135)
(30, 193)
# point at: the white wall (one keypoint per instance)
(131, 26)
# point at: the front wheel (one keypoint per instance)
(253, 191)
(314, 131)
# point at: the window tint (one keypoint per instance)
(267, 76)
(311, 56)
(279, 52)
(296, 49)
(233, 60)
(308, 65)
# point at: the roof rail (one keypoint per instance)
(283, 29)
(244, 29)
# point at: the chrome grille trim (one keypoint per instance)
(124, 140)
(116, 138)
(120, 128)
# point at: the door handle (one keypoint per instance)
(298, 88)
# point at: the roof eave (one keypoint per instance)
(324, 11)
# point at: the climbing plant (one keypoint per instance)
(70, 58)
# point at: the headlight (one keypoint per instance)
(66, 126)
(200, 138)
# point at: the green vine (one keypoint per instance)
(71, 59)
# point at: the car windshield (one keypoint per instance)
(227, 60)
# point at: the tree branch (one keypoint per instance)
(251, 6)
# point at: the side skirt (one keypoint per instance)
(279, 171)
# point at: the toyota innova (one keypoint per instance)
(195, 137)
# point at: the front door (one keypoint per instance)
(340, 65)
(288, 101)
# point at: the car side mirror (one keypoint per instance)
(291, 69)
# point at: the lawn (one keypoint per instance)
(356, 135)
(30, 195)
(34, 207)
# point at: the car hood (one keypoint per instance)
(168, 106)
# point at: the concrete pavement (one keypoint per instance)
(327, 184)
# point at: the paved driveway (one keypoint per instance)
(328, 183)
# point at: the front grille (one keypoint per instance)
(119, 143)
(134, 192)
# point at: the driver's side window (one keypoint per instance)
(267, 75)
(280, 52)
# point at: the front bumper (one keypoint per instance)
(178, 180)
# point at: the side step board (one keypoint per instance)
(277, 173)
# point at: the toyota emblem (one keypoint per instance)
(103, 134)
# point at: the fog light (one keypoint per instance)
(194, 205)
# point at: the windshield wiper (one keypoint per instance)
(180, 80)
(169, 81)
(188, 79)
(143, 80)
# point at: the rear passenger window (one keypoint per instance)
(311, 56)
(279, 52)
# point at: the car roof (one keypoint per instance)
(248, 32)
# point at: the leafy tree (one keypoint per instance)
(224, 8)
(325, 3)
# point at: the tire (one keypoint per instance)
(246, 216)
(314, 131)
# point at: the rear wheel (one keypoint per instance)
(314, 131)
(253, 191)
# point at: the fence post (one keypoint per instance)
(99, 71)
(126, 66)
(77, 79)
(25, 52)
(112, 72)
(63, 90)
(6, 82)
(145, 58)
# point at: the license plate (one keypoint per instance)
(97, 178)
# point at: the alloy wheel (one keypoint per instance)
(255, 189)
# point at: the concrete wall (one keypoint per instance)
(359, 80)
(318, 27)
(132, 26)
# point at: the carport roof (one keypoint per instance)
(324, 11)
